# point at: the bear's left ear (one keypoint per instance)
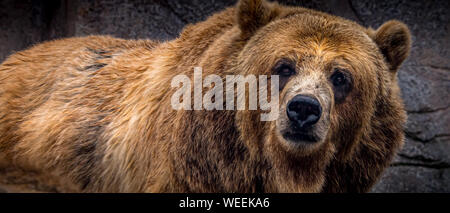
(253, 14)
(394, 40)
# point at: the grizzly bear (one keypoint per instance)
(93, 114)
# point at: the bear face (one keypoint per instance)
(332, 75)
(328, 76)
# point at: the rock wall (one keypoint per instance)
(423, 165)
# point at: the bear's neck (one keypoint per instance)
(207, 153)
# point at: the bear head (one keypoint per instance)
(340, 116)
(336, 78)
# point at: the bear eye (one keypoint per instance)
(338, 78)
(285, 69)
(342, 84)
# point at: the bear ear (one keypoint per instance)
(394, 40)
(253, 14)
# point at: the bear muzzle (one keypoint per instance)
(303, 112)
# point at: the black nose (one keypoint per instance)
(303, 111)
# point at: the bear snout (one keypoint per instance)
(303, 111)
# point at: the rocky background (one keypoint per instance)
(423, 165)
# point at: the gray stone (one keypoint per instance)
(433, 153)
(429, 22)
(414, 178)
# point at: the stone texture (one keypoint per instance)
(423, 165)
(162, 20)
(413, 178)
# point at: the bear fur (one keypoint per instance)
(92, 114)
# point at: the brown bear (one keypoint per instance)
(93, 114)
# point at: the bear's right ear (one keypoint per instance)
(394, 40)
(253, 14)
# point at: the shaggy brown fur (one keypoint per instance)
(93, 114)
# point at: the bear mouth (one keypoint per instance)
(300, 137)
